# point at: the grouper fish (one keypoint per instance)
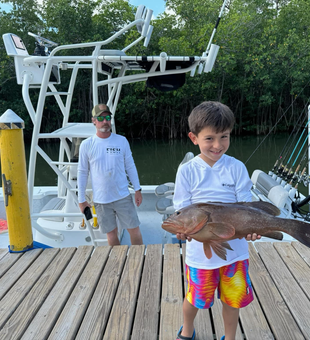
(215, 223)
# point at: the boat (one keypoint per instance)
(55, 216)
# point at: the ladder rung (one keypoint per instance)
(59, 93)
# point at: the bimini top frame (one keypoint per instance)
(43, 69)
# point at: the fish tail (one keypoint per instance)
(300, 231)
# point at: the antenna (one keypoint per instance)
(148, 36)
(211, 61)
(147, 22)
(140, 14)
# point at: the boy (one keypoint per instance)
(213, 176)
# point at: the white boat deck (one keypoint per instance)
(150, 219)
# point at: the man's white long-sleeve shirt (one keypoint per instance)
(106, 160)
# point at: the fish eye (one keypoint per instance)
(178, 212)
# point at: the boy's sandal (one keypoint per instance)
(181, 337)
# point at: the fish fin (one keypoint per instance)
(219, 249)
(277, 235)
(207, 250)
(299, 230)
(226, 245)
(222, 230)
(267, 207)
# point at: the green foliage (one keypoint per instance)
(262, 67)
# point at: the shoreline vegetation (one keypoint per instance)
(261, 72)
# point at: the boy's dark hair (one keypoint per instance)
(215, 115)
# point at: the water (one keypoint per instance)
(157, 161)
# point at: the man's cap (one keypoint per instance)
(102, 109)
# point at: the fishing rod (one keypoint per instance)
(304, 154)
(302, 177)
(293, 175)
(283, 170)
(285, 173)
(280, 169)
(290, 174)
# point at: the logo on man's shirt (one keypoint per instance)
(228, 185)
(113, 151)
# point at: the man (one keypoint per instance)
(107, 157)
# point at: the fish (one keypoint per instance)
(215, 223)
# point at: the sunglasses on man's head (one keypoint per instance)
(101, 118)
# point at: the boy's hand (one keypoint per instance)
(183, 237)
(252, 237)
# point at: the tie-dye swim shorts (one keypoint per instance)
(232, 282)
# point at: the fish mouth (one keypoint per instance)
(171, 226)
(175, 227)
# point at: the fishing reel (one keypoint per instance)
(42, 45)
(305, 179)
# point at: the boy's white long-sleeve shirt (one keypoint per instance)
(106, 160)
(228, 182)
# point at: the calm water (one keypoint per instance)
(157, 161)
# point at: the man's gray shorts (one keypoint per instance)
(124, 209)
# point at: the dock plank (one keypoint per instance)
(172, 293)
(302, 250)
(23, 315)
(289, 289)
(19, 290)
(148, 308)
(121, 318)
(278, 315)
(96, 318)
(254, 323)
(8, 261)
(70, 319)
(297, 266)
(45, 319)
(3, 252)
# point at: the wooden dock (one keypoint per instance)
(129, 293)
